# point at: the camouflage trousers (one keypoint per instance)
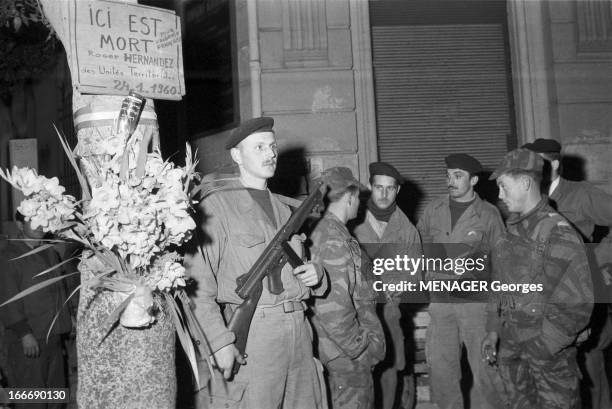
(350, 383)
(535, 381)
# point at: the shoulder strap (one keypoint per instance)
(541, 233)
(289, 201)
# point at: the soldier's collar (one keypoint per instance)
(515, 219)
(337, 222)
(476, 204)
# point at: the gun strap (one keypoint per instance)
(289, 201)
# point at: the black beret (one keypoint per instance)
(464, 162)
(382, 168)
(248, 127)
(542, 145)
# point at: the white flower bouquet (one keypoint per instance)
(134, 214)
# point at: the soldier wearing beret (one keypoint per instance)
(536, 330)
(350, 337)
(585, 206)
(466, 227)
(238, 223)
(384, 232)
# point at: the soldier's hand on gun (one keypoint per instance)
(489, 348)
(225, 357)
(308, 274)
(30, 346)
(297, 244)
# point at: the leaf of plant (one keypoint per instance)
(71, 158)
(41, 240)
(108, 258)
(57, 314)
(36, 287)
(70, 234)
(184, 337)
(34, 251)
(193, 326)
(55, 266)
(142, 154)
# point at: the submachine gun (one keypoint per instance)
(269, 264)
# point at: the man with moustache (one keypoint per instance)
(585, 207)
(466, 227)
(239, 221)
(536, 331)
(384, 233)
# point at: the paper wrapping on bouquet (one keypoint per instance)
(137, 313)
(95, 119)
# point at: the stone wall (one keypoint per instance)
(581, 38)
(306, 83)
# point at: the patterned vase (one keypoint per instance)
(124, 367)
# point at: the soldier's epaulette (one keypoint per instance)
(561, 221)
(216, 182)
(544, 227)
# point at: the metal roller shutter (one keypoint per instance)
(440, 89)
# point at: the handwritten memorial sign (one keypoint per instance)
(118, 47)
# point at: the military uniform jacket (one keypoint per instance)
(344, 318)
(399, 237)
(541, 248)
(35, 312)
(235, 230)
(584, 205)
(478, 228)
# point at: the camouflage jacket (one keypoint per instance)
(541, 248)
(345, 317)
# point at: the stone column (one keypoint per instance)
(532, 75)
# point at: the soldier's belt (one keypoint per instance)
(521, 316)
(286, 306)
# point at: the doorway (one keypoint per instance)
(442, 84)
